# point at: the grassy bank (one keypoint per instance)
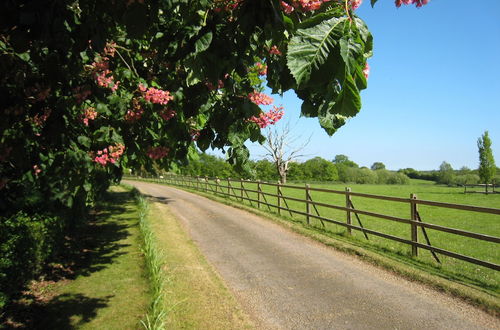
(100, 282)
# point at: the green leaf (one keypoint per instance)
(310, 47)
(84, 141)
(331, 122)
(203, 43)
(348, 102)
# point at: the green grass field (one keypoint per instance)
(471, 274)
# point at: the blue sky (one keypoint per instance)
(433, 90)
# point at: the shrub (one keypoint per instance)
(26, 243)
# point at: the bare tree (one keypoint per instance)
(280, 148)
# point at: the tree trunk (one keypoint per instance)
(283, 178)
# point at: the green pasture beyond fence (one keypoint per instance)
(404, 220)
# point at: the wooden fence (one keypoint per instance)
(239, 190)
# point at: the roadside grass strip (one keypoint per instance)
(157, 315)
(187, 291)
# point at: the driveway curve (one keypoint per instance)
(286, 281)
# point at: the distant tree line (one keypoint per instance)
(317, 169)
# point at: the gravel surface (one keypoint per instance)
(286, 281)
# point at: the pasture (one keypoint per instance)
(482, 223)
(294, 195)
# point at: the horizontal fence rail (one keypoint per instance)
(239, 190)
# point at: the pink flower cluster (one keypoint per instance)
(418, 3)
(110, 49)
(36, 170)
(366, 70)
(303, 5)
(109, 155)
(157, 152)
(155, 95)
(260, 98)
(274, 50)
(268, 118)
(135, 113)
(88, 114)
(39, 120)
(226, 5)
(261, 68)
(103, 75)
(167, 114)
(355, 4)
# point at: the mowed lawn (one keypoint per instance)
(465, 220)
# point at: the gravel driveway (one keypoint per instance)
(286, 281)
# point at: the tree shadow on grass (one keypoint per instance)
(88, 248)
(65, 311)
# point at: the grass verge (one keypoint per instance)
(99, 283)
(187, 291)
(395, 262)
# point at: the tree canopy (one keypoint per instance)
(487, 167)
(87, 88)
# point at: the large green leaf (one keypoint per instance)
(348, 102)
(203, 43)
(310, 47)
(331, 123)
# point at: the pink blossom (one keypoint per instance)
(136, 112)
(157, 152)
(36, 170)
(39, 120)
(268, 118)
(355, 4)
(106, 156)
(110, 49)
(366, 70)
(274, 50)
(261, 68)
(286, 7)
(88, 114)
(260, 98)
(167, 114)
(158, 96)
(418, 3)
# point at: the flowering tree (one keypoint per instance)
(87, 87)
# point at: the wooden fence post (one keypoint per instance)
(278, 192)
(414, 233)
(348, 205)
(307, 205)
(241, 191)
(258, 194)
(216, 185)
(229, 187)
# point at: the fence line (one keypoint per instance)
(240, 192)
